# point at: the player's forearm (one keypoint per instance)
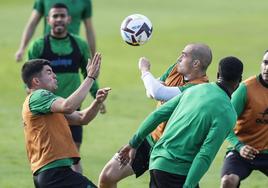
(92, 43)
(75, 100)
(29, 29)
(90, 112)
(90, 35)
(157, 90)
(148, 125)
(197, 171)
(26, 36)
(234, 141)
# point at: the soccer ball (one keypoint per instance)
(136, 29)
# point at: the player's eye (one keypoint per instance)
(265, 62)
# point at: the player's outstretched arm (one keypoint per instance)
(153, 87)
(85, 116)
(73, 102)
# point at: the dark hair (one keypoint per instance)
(265, 52)
(60, 5)
(31, 68)
(231, 69)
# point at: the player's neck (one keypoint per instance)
(194, 76)
(59, 35)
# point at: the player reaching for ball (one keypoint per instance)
(46, 117)
(189, 70)
(198, 122)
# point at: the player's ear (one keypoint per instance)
(196, 63)
(35, 81)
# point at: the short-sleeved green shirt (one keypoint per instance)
(41, 101)
(78, 10)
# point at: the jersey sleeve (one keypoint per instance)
(87, 13)
(35, 49)
(39, 6)
(161, 114)
(41, 101)
(165, 75)
(239, 99)
(215, 137)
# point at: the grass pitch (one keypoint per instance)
(236, 28)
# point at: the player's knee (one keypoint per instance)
(229, 181)
(106, 177)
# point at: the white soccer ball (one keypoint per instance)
(136, 29)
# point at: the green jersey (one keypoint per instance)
(68, 82)
(78, 10)
(41, 101)
(198, 122)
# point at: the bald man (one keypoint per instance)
(189, 70)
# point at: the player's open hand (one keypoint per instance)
(93, 66)
(248, 152)
(144, 64)
(126, 155)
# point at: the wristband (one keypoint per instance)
(93, 78)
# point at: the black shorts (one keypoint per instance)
(141, 161)
(63, 177)
(77, 133)
(235, 164)
(162, 179)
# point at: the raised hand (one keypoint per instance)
(144, 64)
(93, 66)
(102, 94)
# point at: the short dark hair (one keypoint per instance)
(265, 52)
(231, 69)
(60, 5)
(31, 68)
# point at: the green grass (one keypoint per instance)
(230, 27)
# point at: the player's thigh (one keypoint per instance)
(114, 171)
(260, 163)
(235, 164)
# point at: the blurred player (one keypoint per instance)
(249, 139)
(79, 11)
